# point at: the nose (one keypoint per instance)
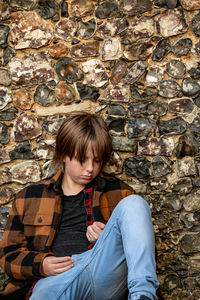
(89, 165)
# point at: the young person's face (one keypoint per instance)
(82, 174)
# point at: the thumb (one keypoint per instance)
(100, 225)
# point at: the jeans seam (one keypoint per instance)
(91, 282)
(61, 291)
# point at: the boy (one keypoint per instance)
(53, 223)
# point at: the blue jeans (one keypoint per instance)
(122, 257)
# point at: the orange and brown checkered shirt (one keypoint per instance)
(34, 219)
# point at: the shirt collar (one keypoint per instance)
(99, 182)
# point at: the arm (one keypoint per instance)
(16, 258)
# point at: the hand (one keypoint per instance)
(94, 231)
(55, 265)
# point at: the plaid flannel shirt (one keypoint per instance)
(34, 219)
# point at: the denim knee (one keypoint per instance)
(134, 202)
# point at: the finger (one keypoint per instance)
(61, 259)
(100, 225)
(62, 265)
(97, 230)
(94, 229)
(90, 238)
(61, 270)
(93, 232)
(90, 230)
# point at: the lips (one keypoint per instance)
(86, 177)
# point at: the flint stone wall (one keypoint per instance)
(136, 63)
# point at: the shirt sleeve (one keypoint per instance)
(17, 258)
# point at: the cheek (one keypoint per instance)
(97, 168)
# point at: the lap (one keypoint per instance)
(99, 273)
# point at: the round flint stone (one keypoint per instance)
(195, 125)
(64, 8)
(24, 4)
(106, 9)
(168, 88)
(46, 8)
(171, 22)
(111, 49)
(190, 5)
(176, 68)
(116, 123)
(135, 72)
(52, 126)
(140, 127)
(4, 97)
(135, 109)
(195, 72)
(26, 127)
(157, 107)
(137, 166)
(142, 93)
(8, 53)
(87, 92)
(68, 70)
(58, 50)
(80, 8)
(5, 76)
(190, 87)
(4, 13)
(182, 185)
(171, 282)
(4, 133)
(65, 29)
(116, 109)
(196, 49)
(190, 242)
(22, 99)
(195, 24)
(172, 126)
(139, 50)
(118, 71)
(95, 72)
(187, 146)
(22, 151)
(181, 46)
(154, 146)
(197, 100)
(4, 31)
(154, 75)
(165, 3)
(44, 95)
(4, 212)
(161, 49)
(85, 49)
(65, 92)
(8, 114)
(87, 29)
(160, 166)
(182, 105)
(25, 172)
(113, 27)
(136, 7)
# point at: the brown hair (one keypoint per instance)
(76, 132)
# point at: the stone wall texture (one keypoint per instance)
(136, 63)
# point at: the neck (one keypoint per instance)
(70, 188)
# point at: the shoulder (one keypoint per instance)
(36, 190)
(112, 183)
(37, 197)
